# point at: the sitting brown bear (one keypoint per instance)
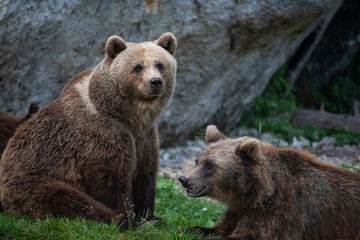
(274, 193)
(93, 152)
(9, 123)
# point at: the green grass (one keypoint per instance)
(351, 167)
(178, 211)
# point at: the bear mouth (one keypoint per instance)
(156, 92)
(196, 191)
(150, 98)
(153, 96)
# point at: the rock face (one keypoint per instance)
(228, 50)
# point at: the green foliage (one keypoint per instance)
(178, 211)
(283, 129)
(339, 96)
(351, 167)
(342, 136)
(200, 135)
(278, 98)
(271, 112)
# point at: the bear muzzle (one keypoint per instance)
(184, 181)
(192, 190)
(156, 85)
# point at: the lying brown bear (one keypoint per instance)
(274, 193)
(9, 123)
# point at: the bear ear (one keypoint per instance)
(114, 46)
(168, 42)
(213, 134)
(249, 149)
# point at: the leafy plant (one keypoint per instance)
(338, 96)
(265, 112)
(278, 98)
(271, 112)
(351, 167)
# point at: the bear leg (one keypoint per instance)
(144, 184)
(56, 198)
(201, 231)
(224, 228)
(144, 195)
(63, 200)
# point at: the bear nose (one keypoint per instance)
(156, 83)
(184, 181)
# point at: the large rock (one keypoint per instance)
(228, 50)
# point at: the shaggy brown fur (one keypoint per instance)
(274, 193)
(9, 123)
(94, 150)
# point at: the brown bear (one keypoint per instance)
(274, 193)
(93, 152)
(9, 123)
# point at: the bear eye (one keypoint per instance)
(138, 68)
(208, 165)
(160, 67)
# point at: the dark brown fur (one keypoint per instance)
(9, 123)
(94, 151)
(275, 193)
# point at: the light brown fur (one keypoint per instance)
(94, 150)
(274, 193)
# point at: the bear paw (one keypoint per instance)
(127, 222)
(200, 231)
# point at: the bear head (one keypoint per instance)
(230, 169)
(134, 76)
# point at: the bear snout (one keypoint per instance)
(184, 181)
(156, 85)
